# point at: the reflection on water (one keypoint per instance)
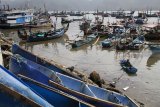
(153, 59)
(105, 61)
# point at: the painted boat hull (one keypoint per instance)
(91, 94)
(26, 54)
(152, 36)
(131, 69)
(79, 43)
(54, 96)
(14, 92)
(106, 44)
(56, 34)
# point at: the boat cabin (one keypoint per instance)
(152, 28)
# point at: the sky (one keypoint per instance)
(87, 4)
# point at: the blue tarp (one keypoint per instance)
(20, 20)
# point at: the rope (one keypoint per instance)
(115, 82)
(97, 40)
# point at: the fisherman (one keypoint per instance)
(128, 63)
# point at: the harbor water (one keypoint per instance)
(143, 87)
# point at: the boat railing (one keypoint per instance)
(52, 89)
(86, 90)
(113, 98)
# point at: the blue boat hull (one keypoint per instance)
(54, 96)
(8, 99)
(13, 92)
(131, 69)
(87, 93)
(26, 54)
(106, 44)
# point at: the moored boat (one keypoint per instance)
(52, 95)
(16, 18)
(42, 36)
(87, 40)
(14, 93)
(94, 95)
(137, 43)
(127, 67)
(65, 20)
(152, 32)
(107, 43)
(35, 58)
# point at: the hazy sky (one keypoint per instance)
(87, 4)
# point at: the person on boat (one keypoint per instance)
(128, 63)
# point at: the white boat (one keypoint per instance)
(16, 18)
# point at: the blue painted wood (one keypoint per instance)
(26, 54)
(54, 96)
(89, 93)
(127, 67)
(15, 88)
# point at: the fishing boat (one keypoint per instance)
(101, 29)
(65, 20)
(41, 36)
(137, 43)
(141, 21)
(94, 95)
(52, 95)
(76, 13)
(16, 18)
(107, 43)
(87, 40)
(59, 14)
(127, 67)
(14, 93)
(152, 32)
(35, 58)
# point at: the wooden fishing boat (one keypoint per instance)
(94, 95)
(26, 54)
(127, 67)
(65, 20)
(152, 32)
(137, 43)
(141, 20)
(52, 95)
(76, 13)
(102, 30)
(41, 36)
(107, 43)
(87, 40)
(14, 93)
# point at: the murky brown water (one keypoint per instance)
(144, 86)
